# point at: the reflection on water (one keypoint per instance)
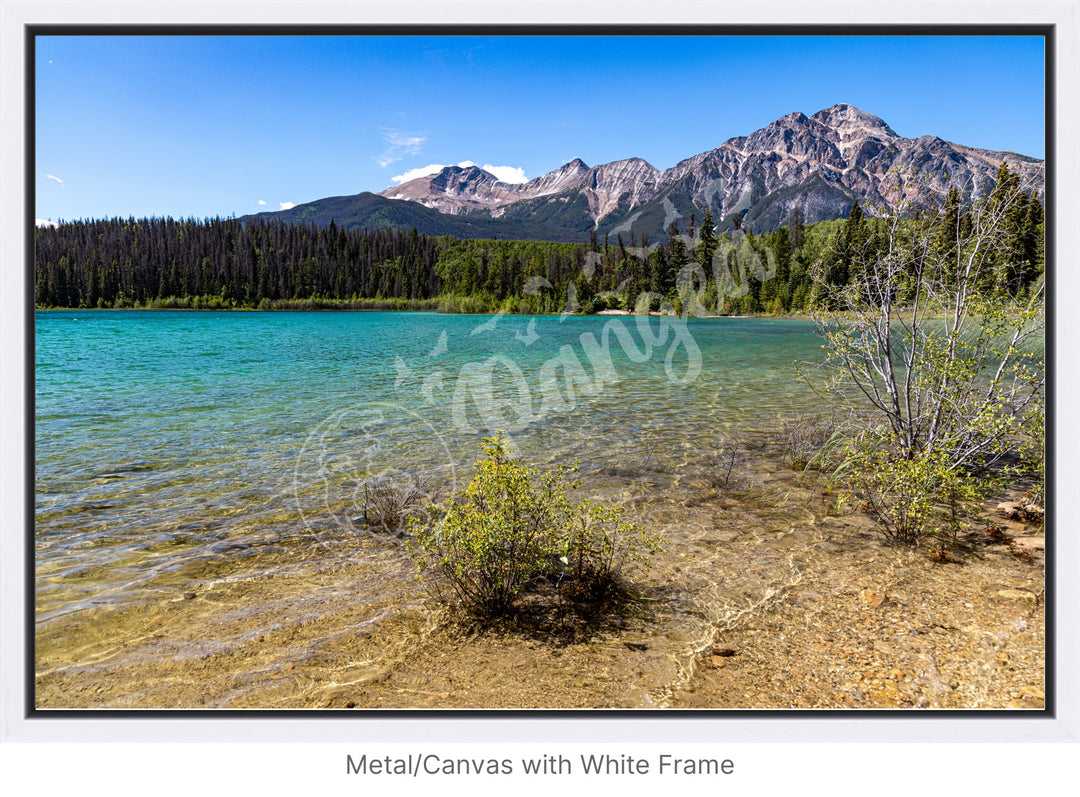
(184, 447)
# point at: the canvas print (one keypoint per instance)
(563, 371)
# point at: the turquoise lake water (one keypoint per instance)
(165, 439)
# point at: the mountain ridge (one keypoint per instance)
(818, 164)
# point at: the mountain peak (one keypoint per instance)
(457, 177)
(847, 118)
(566, 176)
(470, 172)
(797, 117)
(576, 166)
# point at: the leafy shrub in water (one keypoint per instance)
(599, 549)
(498, 533)
(514, 526)
(912, 497)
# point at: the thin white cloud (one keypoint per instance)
(399, 145)
(54, 177)
(262, 201)
(45, 223)
(507, 174)
(287, 205)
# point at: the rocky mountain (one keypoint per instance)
(819, 164)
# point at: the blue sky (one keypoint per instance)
(214, 126)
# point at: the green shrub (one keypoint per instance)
(598, 551)
(513, 527)
(912, 497)
(497, 534)
(1034, 453)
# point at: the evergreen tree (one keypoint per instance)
(706, 243)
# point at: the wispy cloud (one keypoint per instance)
(287, 205)
(54, 177)
(507, 174)
(398, 146)
(262, 201)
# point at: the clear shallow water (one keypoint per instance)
(171, 444)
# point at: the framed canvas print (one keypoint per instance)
(468, 374)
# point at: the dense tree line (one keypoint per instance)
(225, 263)
(125, 263)
(1014, 264)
